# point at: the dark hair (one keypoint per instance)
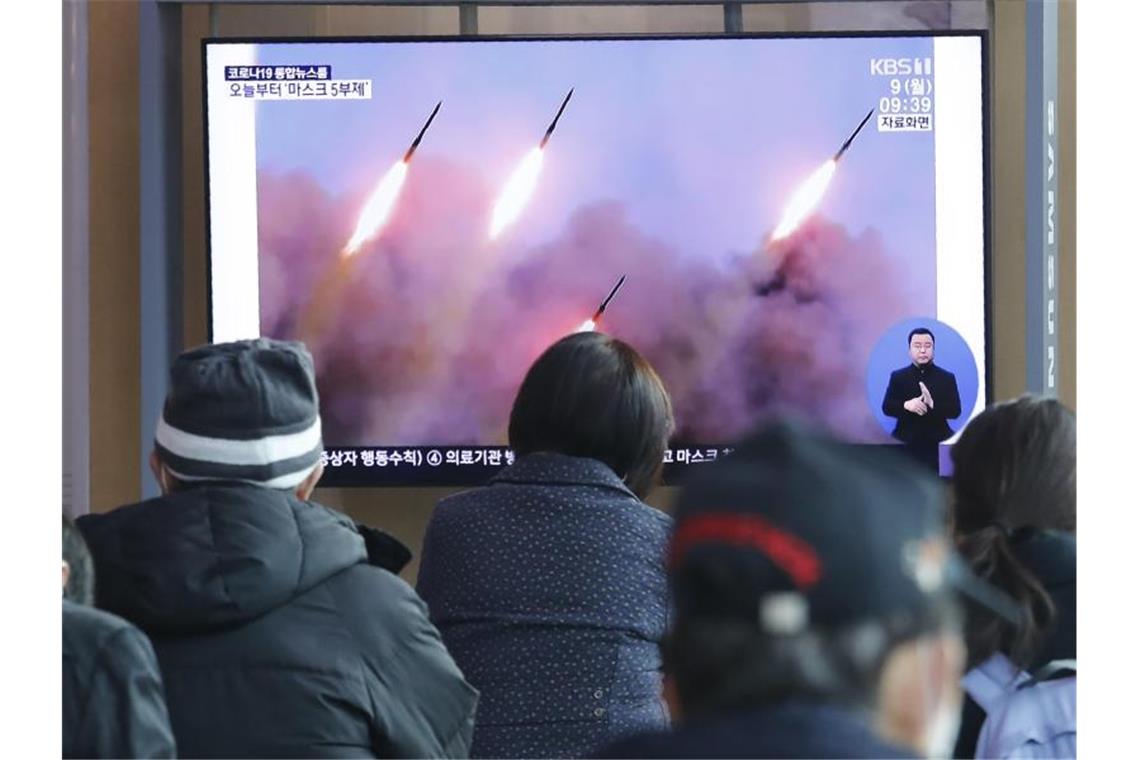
(80, 586)
(721, 665)
(590, 395)
(919, 331)
(1014, 469)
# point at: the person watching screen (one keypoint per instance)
(548, 584)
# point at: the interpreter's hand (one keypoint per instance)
(926, 397)
(916, 406)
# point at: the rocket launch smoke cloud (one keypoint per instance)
(432, 327)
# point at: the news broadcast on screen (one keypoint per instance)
(767, 219)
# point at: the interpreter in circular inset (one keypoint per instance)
(922, 402)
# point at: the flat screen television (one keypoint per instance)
(428, 215)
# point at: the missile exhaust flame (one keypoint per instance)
(808, 195)
(383, 199)
(519, 188)
(378, 208)
(588, 326)
(805, 199)
(520, 185)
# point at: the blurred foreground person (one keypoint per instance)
(813, 612)
(112, 693)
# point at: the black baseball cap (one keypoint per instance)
(795, 530)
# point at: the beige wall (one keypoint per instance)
(1007, 103)
(114, 186)
(1007, 155)
(112, 93)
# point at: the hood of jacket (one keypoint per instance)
(215, 556)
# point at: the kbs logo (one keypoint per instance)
(893, 67)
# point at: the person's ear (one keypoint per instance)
(305, 490)
(161, 474)
(671, 697)
(66, 574)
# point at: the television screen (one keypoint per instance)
(773, 217)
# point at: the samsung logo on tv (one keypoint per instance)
(892, 67)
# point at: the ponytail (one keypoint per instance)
(991, 557)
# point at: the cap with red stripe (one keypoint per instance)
(795, 530)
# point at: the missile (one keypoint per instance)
(557, 116)
(606, 302)
(847, 143)
(416, 143)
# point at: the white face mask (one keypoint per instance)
(942, 734)
(944, 721)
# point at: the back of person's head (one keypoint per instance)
(78, 569)
(242, 412)
(1014, 472)
(590, 395)
(802, 568)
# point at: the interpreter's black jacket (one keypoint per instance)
(932, 426)
(275, 635)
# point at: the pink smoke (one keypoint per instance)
(433, 326)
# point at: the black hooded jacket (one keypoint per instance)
(112, 692)
(275, 634)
